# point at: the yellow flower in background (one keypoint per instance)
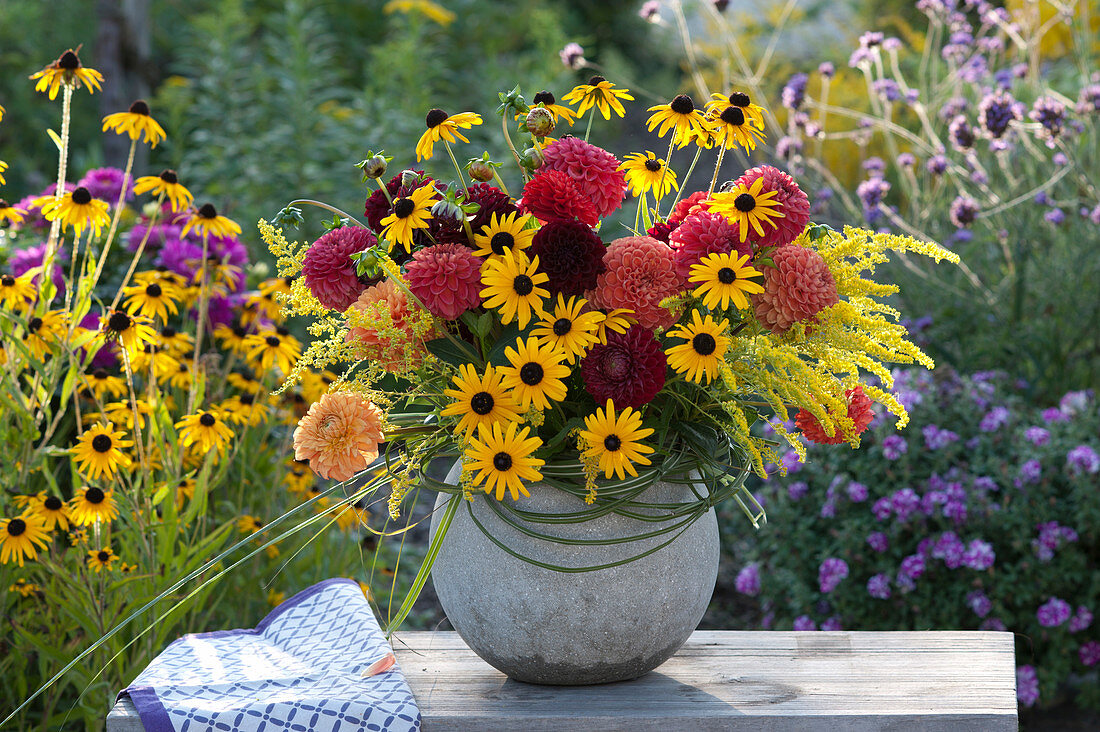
(748, 205)
(207, 221)
(502, 459)
(480, 400)
(273, 347)
(246, 382)
(244, 409)
(247, 524)
(233, 337)
(706, 346)
(615, 441)
(3, 167)
(77, 209)
(503, 232)
(166, 184)
(15, 292)
(9, 213)
(536, 374)
(409, 214)
(568, 329)
(52, 510)
(299, 478)
(442, 126)
(725, 278)
(135, 122)
(152, 300)
(41, 334)
(132, 331)
(68, 70)
(754, 113)
(98, 453)
(101, 559)
(601, 94)
(103, 385)
(204, 430)
(23, 588)
(512, 287)
(175, 342)
(276, 285)
(648, 174)
(679, 115)
(264, 304)
(21, 537)
(428, 9)
(92, 505)
(274, 599)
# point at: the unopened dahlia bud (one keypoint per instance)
(540, 122)
(480, 171)
(375, 167)
(409, 178)
(532, 158)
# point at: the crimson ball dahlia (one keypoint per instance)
(328, 269)
(661, 231)
(859, 411)
(571, 254)
(446, 278)
(553, 195)
(491, 200)
(594, 170)
(629, 369)
(686, 207)
(793, 204)
(703, 233)
(640, 273)
(798, 287)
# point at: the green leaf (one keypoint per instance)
(506, 339)
(448, 351)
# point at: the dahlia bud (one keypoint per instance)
(375, 167)
(409, 178)
(480, 171)
(532, 158)
(540, 122)
(448, 210)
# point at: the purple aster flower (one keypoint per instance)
(1083, 459)
(572, 56)
(894, 446)
(985, 483)
(992, 624)
(937, 439)
(991, 44)
(936, 165)
(828, 508)
(827, 69)
(930, 500)
(1073, 402)
(911, 567)
(879, 587)
(1053, 612)
(791, 462)
(1055, 216)
(1089, 653)
(748, 580)
(878, 541)
(1059, 159)
(996, 112)
(831, 623)
(871, 193)
(961, 133)
(904, 503)
(25, 259)
(891, 43)
(1030, 472)
(106, 184)
(963, 211)
(830, 573)
(1051, 115)
(979, 555)
(796, 490)
(994, 419)
(787, 147)
(794, 92)
(1081, 620)
(1027, 685)
(1038, 436)
(950, 549)
(906, 160)
(161, 235)
(955, 510)
(857, 492)
(882, 508)
(1088, 100)
(887, 89)
(1054, 414)
(804, 622)
(979, 603)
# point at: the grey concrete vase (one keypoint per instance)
(549, 627)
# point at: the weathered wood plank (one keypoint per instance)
(124, 718)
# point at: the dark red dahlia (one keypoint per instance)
(687, 206)
(594, 170)
(859, 411)
(491, 200)
(571, 254)
(553, 195)
(793, 204)
(629, 369)
(328, 269)
(660, 231)
(703, 233)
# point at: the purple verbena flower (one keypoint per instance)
(878, 541)
(950, 549)
(882, 508)
(979, 603)
(1089, 653)
(979, 555)
(879, 587)
(996, 112)
(963, 211)
(794, 92)
(827, 69)
(887, 89)
(831, 623)
(871, 39)
(1051, 115)
(992, 624)
(906, 160)
(1054, 414)
(830, 573)
(1038, 436)
(1088, 100)
(1055, 216)
(797, 489)
(572, 56)
(961, 133)
(1081, 620)
(871, 193)
(857, 492)
(1027, 685)
(748, 580)
(994, 419)
(874, 165)
(894, 446)
(804, 622)
(904, 503)
(936, 165)
(1053, 612)
(787, 147)
(1030, 472)
(911, 567)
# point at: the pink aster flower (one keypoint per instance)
(339, 435)
(328, 269)
(640, 273)
(793, 204)
(798, 287)
(703, 233)
(594, 170)
(446, 278)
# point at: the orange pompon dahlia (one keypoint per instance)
(640, 273)
(797, 288)
(387, 328)
(339, 436)
(859, 411)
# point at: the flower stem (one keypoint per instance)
(588, 129)
(664, 172)
(691, 169)
(58, 194)
(118, 214)
(385, 191)
(500, 183)
(333, 209)
(461, 177)
(204, 300)
(717, 166)
(139, 252)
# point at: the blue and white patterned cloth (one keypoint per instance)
(300, 669)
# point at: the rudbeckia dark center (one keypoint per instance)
(3, 203)
(435, 117)
(523, 285)
(652, 165)
(139, 107)
(739, 99)
(239, 331)
(682, 104)
(153, 290)
(502, 461)
(99, 374)
(744, 202)
(208, 420)
(16, 527)
(596, 80)
(207, 211)
(726, 276)
(501, 240)
(531, 373)
(68, 61)
(101, 443)
(34, 324)
(704, 344)
(482, 403)
(169, 176)
(248, 399)
(282, 331)
(288, 280)
(168, 332)
(403, 208)
(7, 280)
(612, 443)
(81, 196)
(103, 556)
(272, 341)
(733, 116)
(562, 326)
(53, 503)
(544, 97)
(118, 322)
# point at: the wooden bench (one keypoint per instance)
(728, 680)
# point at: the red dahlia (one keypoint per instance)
(594, 170)
(571, 254)
(793, 204)
(328, 270)
(660, 231)
(859, 411)
(703, 233)
(687, 206)
(553, 195)
(629, 369)
(446, 278)
(798, 287)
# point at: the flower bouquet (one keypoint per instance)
(546, 342)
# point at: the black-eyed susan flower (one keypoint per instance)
(754, 113)
(244, 409)
(265, 305)
(135, 122)
(704, 136)
(601, 94)
(272, 347)
(248, 524)
(618, 320)
(299, 477)
(502, 458)
(15, 292)
(98, 453)
(536, 374)
(615, 440)
(207, 221)
(156, 359)
(92, 505)
(723, 278)
(133, 332)
(647, 173)
(233, 337)
(512, 287)
(350, 516)
(103, 385)
(748, 206)
(246, 381)
(3, 167)
(166, 184)
(77, 209)
(122, 412)
(568, 329)
(442, 126)
(42, 334)
(67, 70)
(175, 342)
(704, 350)
(21, 537)
(509, 231)
(276, 286)
(679, 115)
(9, 213)
(52, 510)
(152, 300)
(24, 588)
(205, 431)
(409, 213)
(101, 559)
(560, 112)
(480, 400)
(185, 491)
(732, 127)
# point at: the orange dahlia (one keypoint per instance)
(640, 273)
(339, 435)
(383, 327)
(798, 287)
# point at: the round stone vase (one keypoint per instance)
(546, 626)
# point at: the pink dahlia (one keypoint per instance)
(793, 204)
(339, 435)
(571, 254)
(798, 287)
(328, 268)
(640, 273)
(553, 195)
(491, 200)
(687, 206)
(446, 278)
(859, 411)
(594, 170)
(629, 369)
(703, 233)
